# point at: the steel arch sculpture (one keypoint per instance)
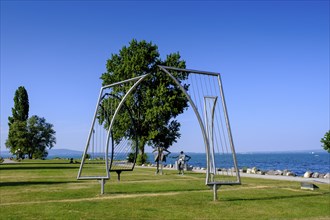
(205, 130)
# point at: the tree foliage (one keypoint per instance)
(156, 102)
(20, 111)
(41, 136)
(326, 141)
(17, 141)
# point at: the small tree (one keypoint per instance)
(326, 141)
(41, 136)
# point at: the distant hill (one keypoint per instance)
(52, 153)
(64, 153)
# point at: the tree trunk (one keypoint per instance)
(157, 168)
(141, 152)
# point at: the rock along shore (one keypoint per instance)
(257, 173)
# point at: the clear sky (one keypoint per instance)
(274, 57)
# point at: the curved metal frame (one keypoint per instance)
(214, 185)
(136, 139)
(211, 160)
(206, 142)
(79, 177)
(113, 119)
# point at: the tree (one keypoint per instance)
(41, 136)
(166, 135)
(20, 110)
(157, 101)
(29, 136)
(326, 141)
(17, 140)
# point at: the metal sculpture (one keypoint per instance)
(216, 135)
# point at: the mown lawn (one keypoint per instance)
(49, 190)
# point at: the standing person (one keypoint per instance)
(182, 159)
(160, 157)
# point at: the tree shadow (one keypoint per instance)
(275, 197)
(36, 167)
(26, 183)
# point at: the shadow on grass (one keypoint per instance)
(275, 197)
(37, 167)
(26, 183)
(137, 192)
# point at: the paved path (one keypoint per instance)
(273, 177)
(276, 177)
(287, 178)
(9, 161)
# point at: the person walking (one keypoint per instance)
(182, 159)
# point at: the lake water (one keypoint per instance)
(299, 163)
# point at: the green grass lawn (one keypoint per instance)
(49, 190)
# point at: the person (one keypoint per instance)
(160, 156)
(182, 159)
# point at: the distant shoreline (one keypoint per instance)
(67, 151)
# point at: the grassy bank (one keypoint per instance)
(49, 190)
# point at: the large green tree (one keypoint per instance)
(41, 136)
(157, 101)
(326, 141)
(17, 141)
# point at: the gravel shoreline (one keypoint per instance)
(273, 177)
(276, 177)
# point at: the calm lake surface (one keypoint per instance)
(299, 163)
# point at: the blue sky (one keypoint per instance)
(274, 57)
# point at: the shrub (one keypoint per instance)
(140, 158)
(131, 157)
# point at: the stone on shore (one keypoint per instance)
(316, 175)
(279, 172)
(254, 170)
(308, 174)
(270, 172)
(290, 173)
(260, 172)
